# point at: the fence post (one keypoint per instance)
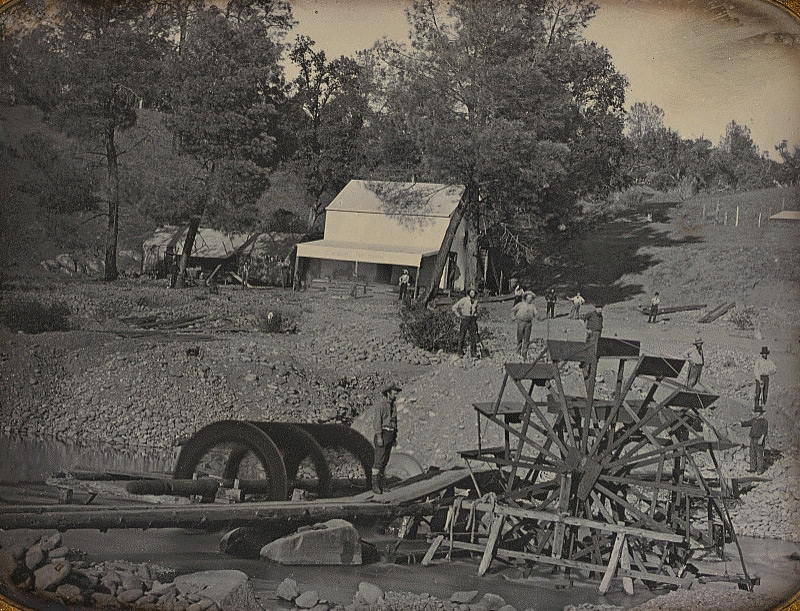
(737, 216)
(759, 219)
(725, 222)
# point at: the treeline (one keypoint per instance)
(661, 159)
(506, 99)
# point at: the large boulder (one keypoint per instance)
(231, 590)
(50, 576)
(330, 543)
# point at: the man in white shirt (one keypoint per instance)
(405, 279)
(577, 302)
(466, 309)
(524, 313)
(764, 367)
(654, 303)
(694, 356)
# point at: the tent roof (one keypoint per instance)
(209, 243)
(363, 253)
(398, 198)
(272, 243)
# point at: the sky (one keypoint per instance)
(704, 62)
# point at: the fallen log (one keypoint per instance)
(673, 309)
(64, 518)
(720, 310)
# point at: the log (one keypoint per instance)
(673, 309)
(714, 314)
(65, 518)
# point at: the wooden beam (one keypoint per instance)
(491, 544)
(613, 561)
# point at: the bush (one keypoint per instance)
(277, 321)
(430, 330)
(743, 318)
(33, 316)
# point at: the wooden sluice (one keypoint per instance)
(412, 498)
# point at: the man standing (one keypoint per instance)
(758, 439)
(551, 299)
(654, 303)
(519, 293)
(384, 425)
(405, 278)
(577, 302)
(694, 356)
(594, 329)
(466, 309)
(764, 368)
(524, 313)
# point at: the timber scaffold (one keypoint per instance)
(598, 488)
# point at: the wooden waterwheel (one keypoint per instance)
(626, 485)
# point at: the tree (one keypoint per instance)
(790, 167)
(643, 118)
(740, 165)
(101, 62)
(328, 112)
(507, 100)
(223, 110)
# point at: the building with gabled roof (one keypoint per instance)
(376, 229)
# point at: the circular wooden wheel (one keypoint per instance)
(232, 449)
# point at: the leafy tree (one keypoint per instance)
(508, 100)
(643, 118)
(89, 73)
(790, 168)
(328, 113)
(227, 87)
(740, 165)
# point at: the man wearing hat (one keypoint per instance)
(764, 368)
(694, 356)
(524, 312)
(594, 329)
(405, 279)
(384, 425)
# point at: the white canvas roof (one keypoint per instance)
(365, 253)
(398, 198)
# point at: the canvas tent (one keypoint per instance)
(210, 248)
(375, 229)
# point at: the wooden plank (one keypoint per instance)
(575, 521)
(575, 564)
(613, 346)
(717, 312)
(437, 542)
(625, 565)
(673, 309)
(491, 543)
(660, 366)
(538, 372)
(613, 561)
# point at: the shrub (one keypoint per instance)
(33, 316)
(743, 318)
(277, 321)
(430, 330)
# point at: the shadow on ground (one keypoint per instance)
(595, 261)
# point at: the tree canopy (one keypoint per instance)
(508, 100)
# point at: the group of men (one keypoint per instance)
(524, 312)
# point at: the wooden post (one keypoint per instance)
(491, 543)
(605, 582)
(725, 222)
(759, 219)
(625, 563)
(737, 216)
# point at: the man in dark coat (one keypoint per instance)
(384, 425)
(759, 427)
(594, 329)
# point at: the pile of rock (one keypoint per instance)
(772, 508)
(371, 597)
(43, 565)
